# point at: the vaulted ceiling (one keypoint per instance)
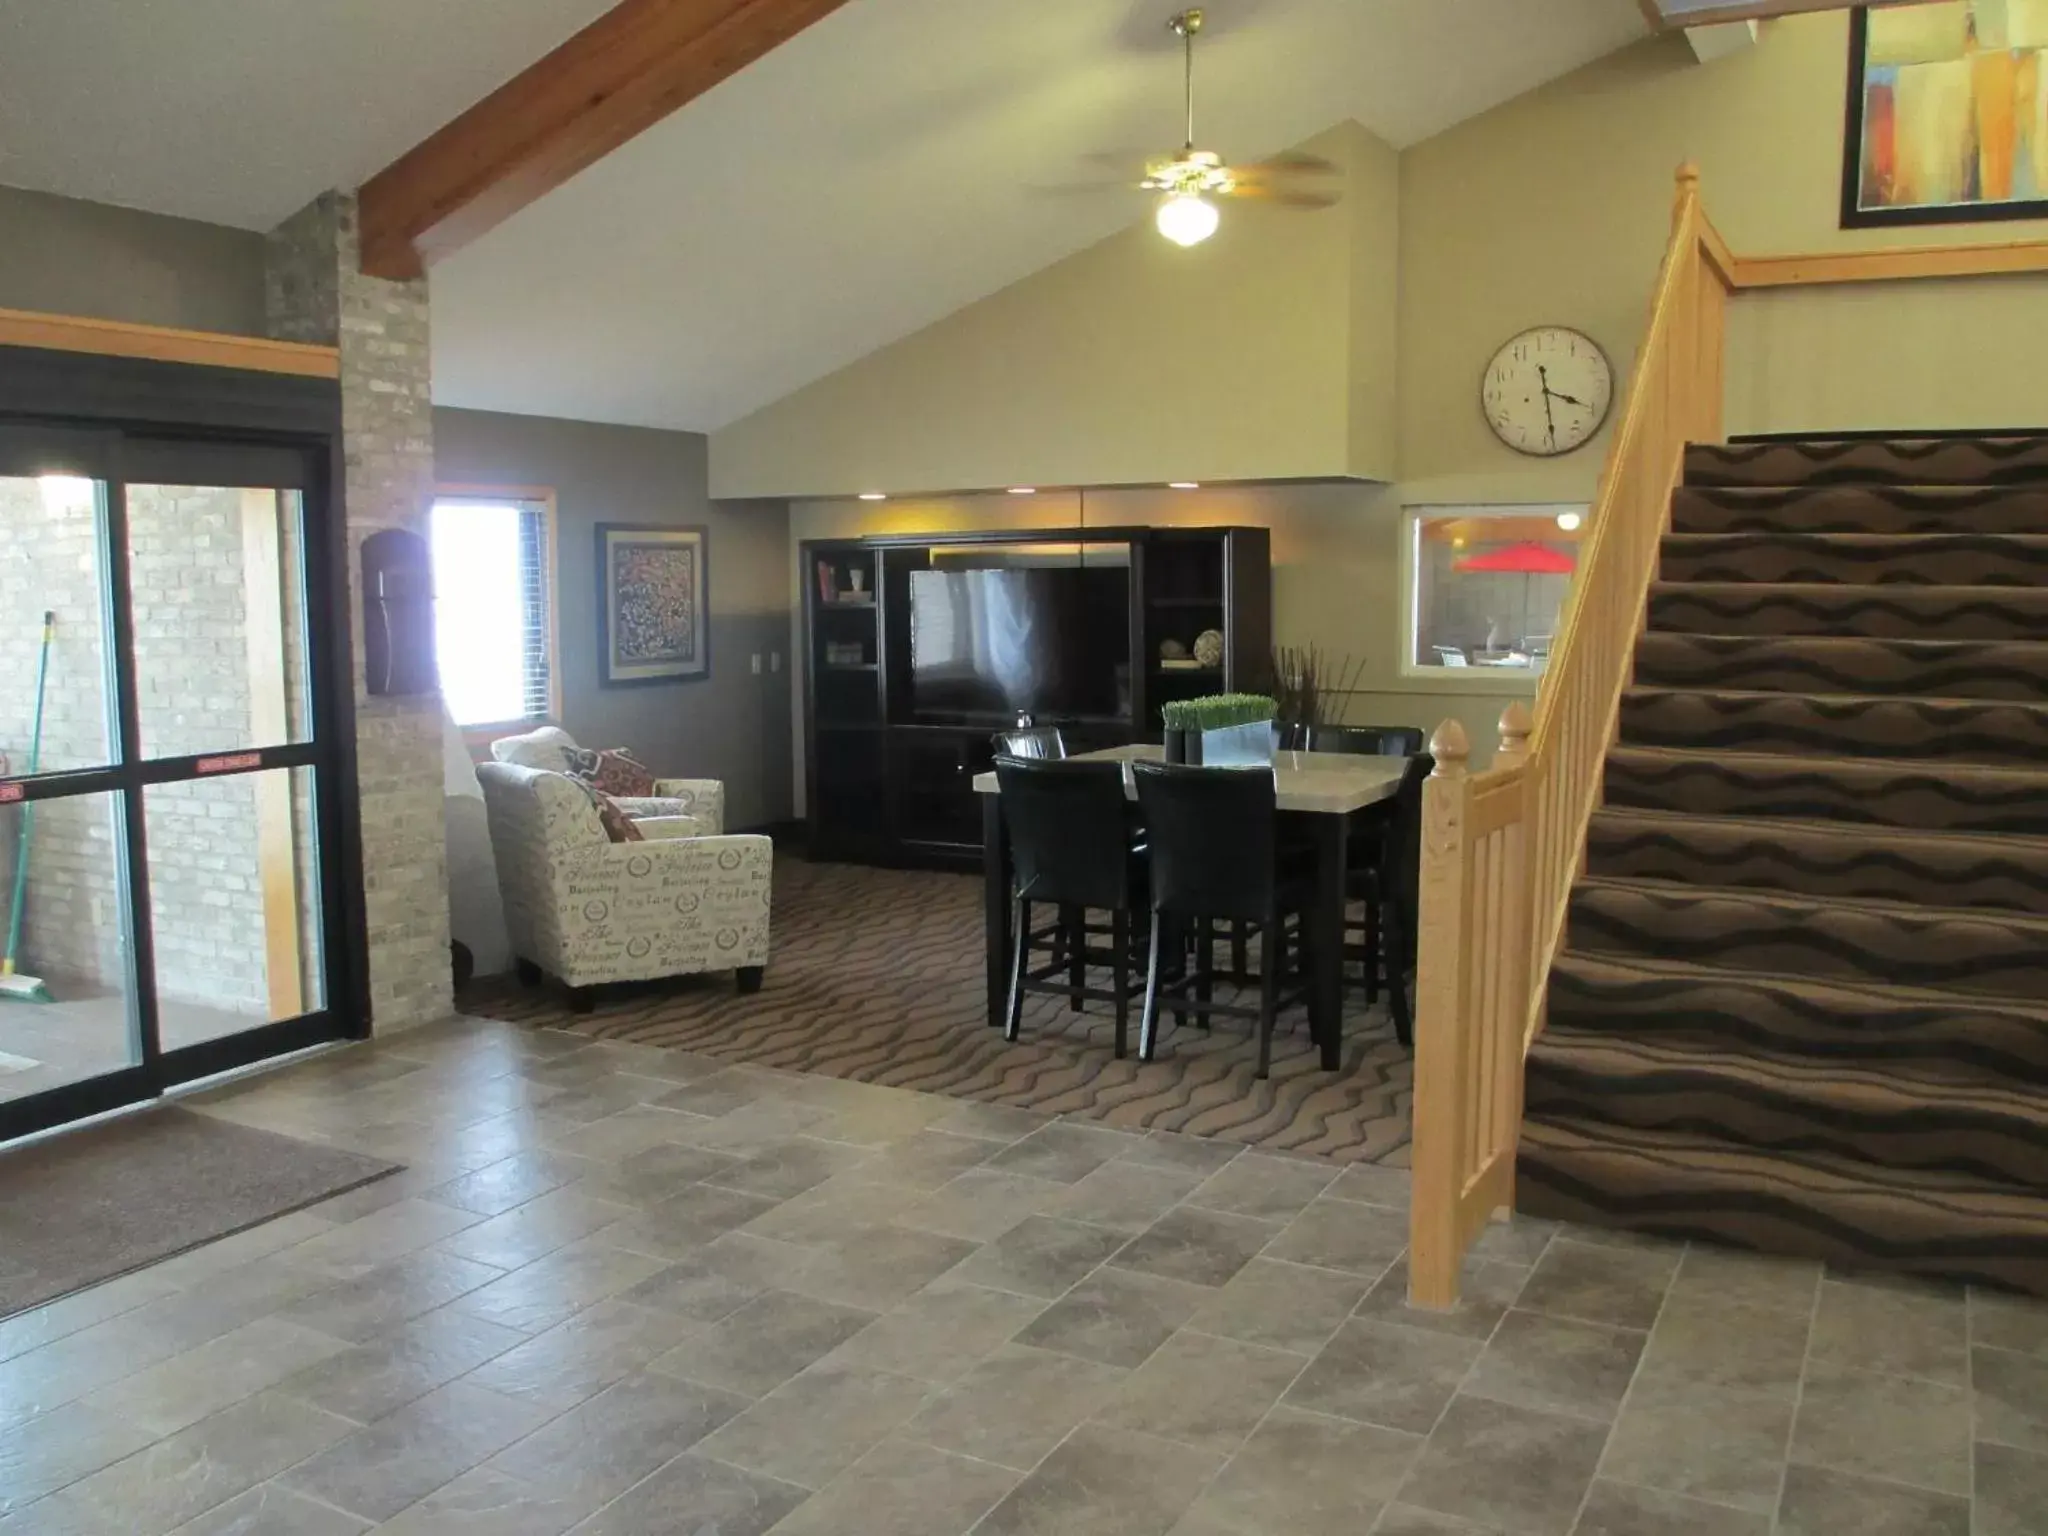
(898, 160)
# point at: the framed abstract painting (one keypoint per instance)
(1948, 113)
(653, 604)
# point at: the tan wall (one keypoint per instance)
(1133, 361)
(1336, 575)
(1554, 208)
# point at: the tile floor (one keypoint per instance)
(625, 1292)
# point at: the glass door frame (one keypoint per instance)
(216, 433)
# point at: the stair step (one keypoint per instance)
(1841, 608)
(1694, 1185)
(2014, 670)
(1913, 461)
(1822, 859)
(1831, 725)
(1857, 559)
(1736, 1011)
(1971, 952)
(1861, 509)
(1876, 1113)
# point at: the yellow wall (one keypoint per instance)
(1132, 361)
(1554, 208)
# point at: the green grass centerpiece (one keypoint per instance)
(1224, 730)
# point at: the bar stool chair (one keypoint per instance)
(1215, 856)
(1070, 844)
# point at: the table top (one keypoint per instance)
(1329, 783)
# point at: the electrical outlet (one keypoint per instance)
(757, 663)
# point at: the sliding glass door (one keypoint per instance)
(167, 791)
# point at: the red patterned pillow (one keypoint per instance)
(618, 826)
(613, 771)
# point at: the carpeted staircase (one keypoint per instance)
(1803, 1001)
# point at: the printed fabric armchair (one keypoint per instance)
(587, 910)
(551, 748)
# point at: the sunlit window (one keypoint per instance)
(493, 609)
(1487, 585)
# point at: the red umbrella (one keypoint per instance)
(1525, 559)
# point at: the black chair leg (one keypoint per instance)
(1240, 963)
(1372, 952)
(1148, 1016)
(1074, 920)
(1269, 991)
(1205, 970)
(1398, 1003)
(1020, 928)
(1120, 940)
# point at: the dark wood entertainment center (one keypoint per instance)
(886, 788)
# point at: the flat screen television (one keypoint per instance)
(1050, 642)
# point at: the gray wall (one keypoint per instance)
(734, 727)
(67, 257)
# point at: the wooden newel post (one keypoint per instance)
(1688, 192)
(1443, 1048)
(1515, 726)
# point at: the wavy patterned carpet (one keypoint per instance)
(876, 975)
(1803, 1005)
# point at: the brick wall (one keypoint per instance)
(316, 293)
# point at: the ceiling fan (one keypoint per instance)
(1189, 182)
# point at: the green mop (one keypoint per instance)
(27, 989)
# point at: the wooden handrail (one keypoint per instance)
(1502, 849)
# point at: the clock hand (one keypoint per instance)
(1544, 374)
(1569, 399)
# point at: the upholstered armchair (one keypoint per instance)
(588, 911)
(548, 747)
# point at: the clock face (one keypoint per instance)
(1547, 391)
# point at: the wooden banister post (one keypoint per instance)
(1688, 193)
(1443, 1049)
(1515, 726)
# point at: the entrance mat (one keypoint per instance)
(84, 1207)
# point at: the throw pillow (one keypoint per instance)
(618, 826)
(613, 771)
(546, 747)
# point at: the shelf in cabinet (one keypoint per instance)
(1184, 602)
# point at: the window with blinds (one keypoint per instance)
(494, 608)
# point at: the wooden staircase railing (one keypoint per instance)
(1500, 849)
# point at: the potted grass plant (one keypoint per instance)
(1225, 730)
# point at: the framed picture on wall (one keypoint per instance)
(1948, 113)
(653, 604)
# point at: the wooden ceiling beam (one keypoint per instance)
(1674, 14)
(609, 83)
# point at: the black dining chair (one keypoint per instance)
(1070, 847)
(1367, 740)
(1386, 875)
(1041, 742)
(1217, 855)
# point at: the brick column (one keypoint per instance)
(315, 292)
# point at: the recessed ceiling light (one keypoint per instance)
(873, 496)
(1569, 521)
(1023, 490)
(1183, 485)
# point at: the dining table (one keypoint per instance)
(1321, 791)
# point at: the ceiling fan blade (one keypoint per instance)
(1284, 197)
(1085, 188)
(1291, 163)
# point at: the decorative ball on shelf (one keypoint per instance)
(1172, 650)
(1209, 648)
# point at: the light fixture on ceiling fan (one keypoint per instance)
(1190, 182)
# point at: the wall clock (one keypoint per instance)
(1547, 390)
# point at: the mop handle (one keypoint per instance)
(28, 811)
